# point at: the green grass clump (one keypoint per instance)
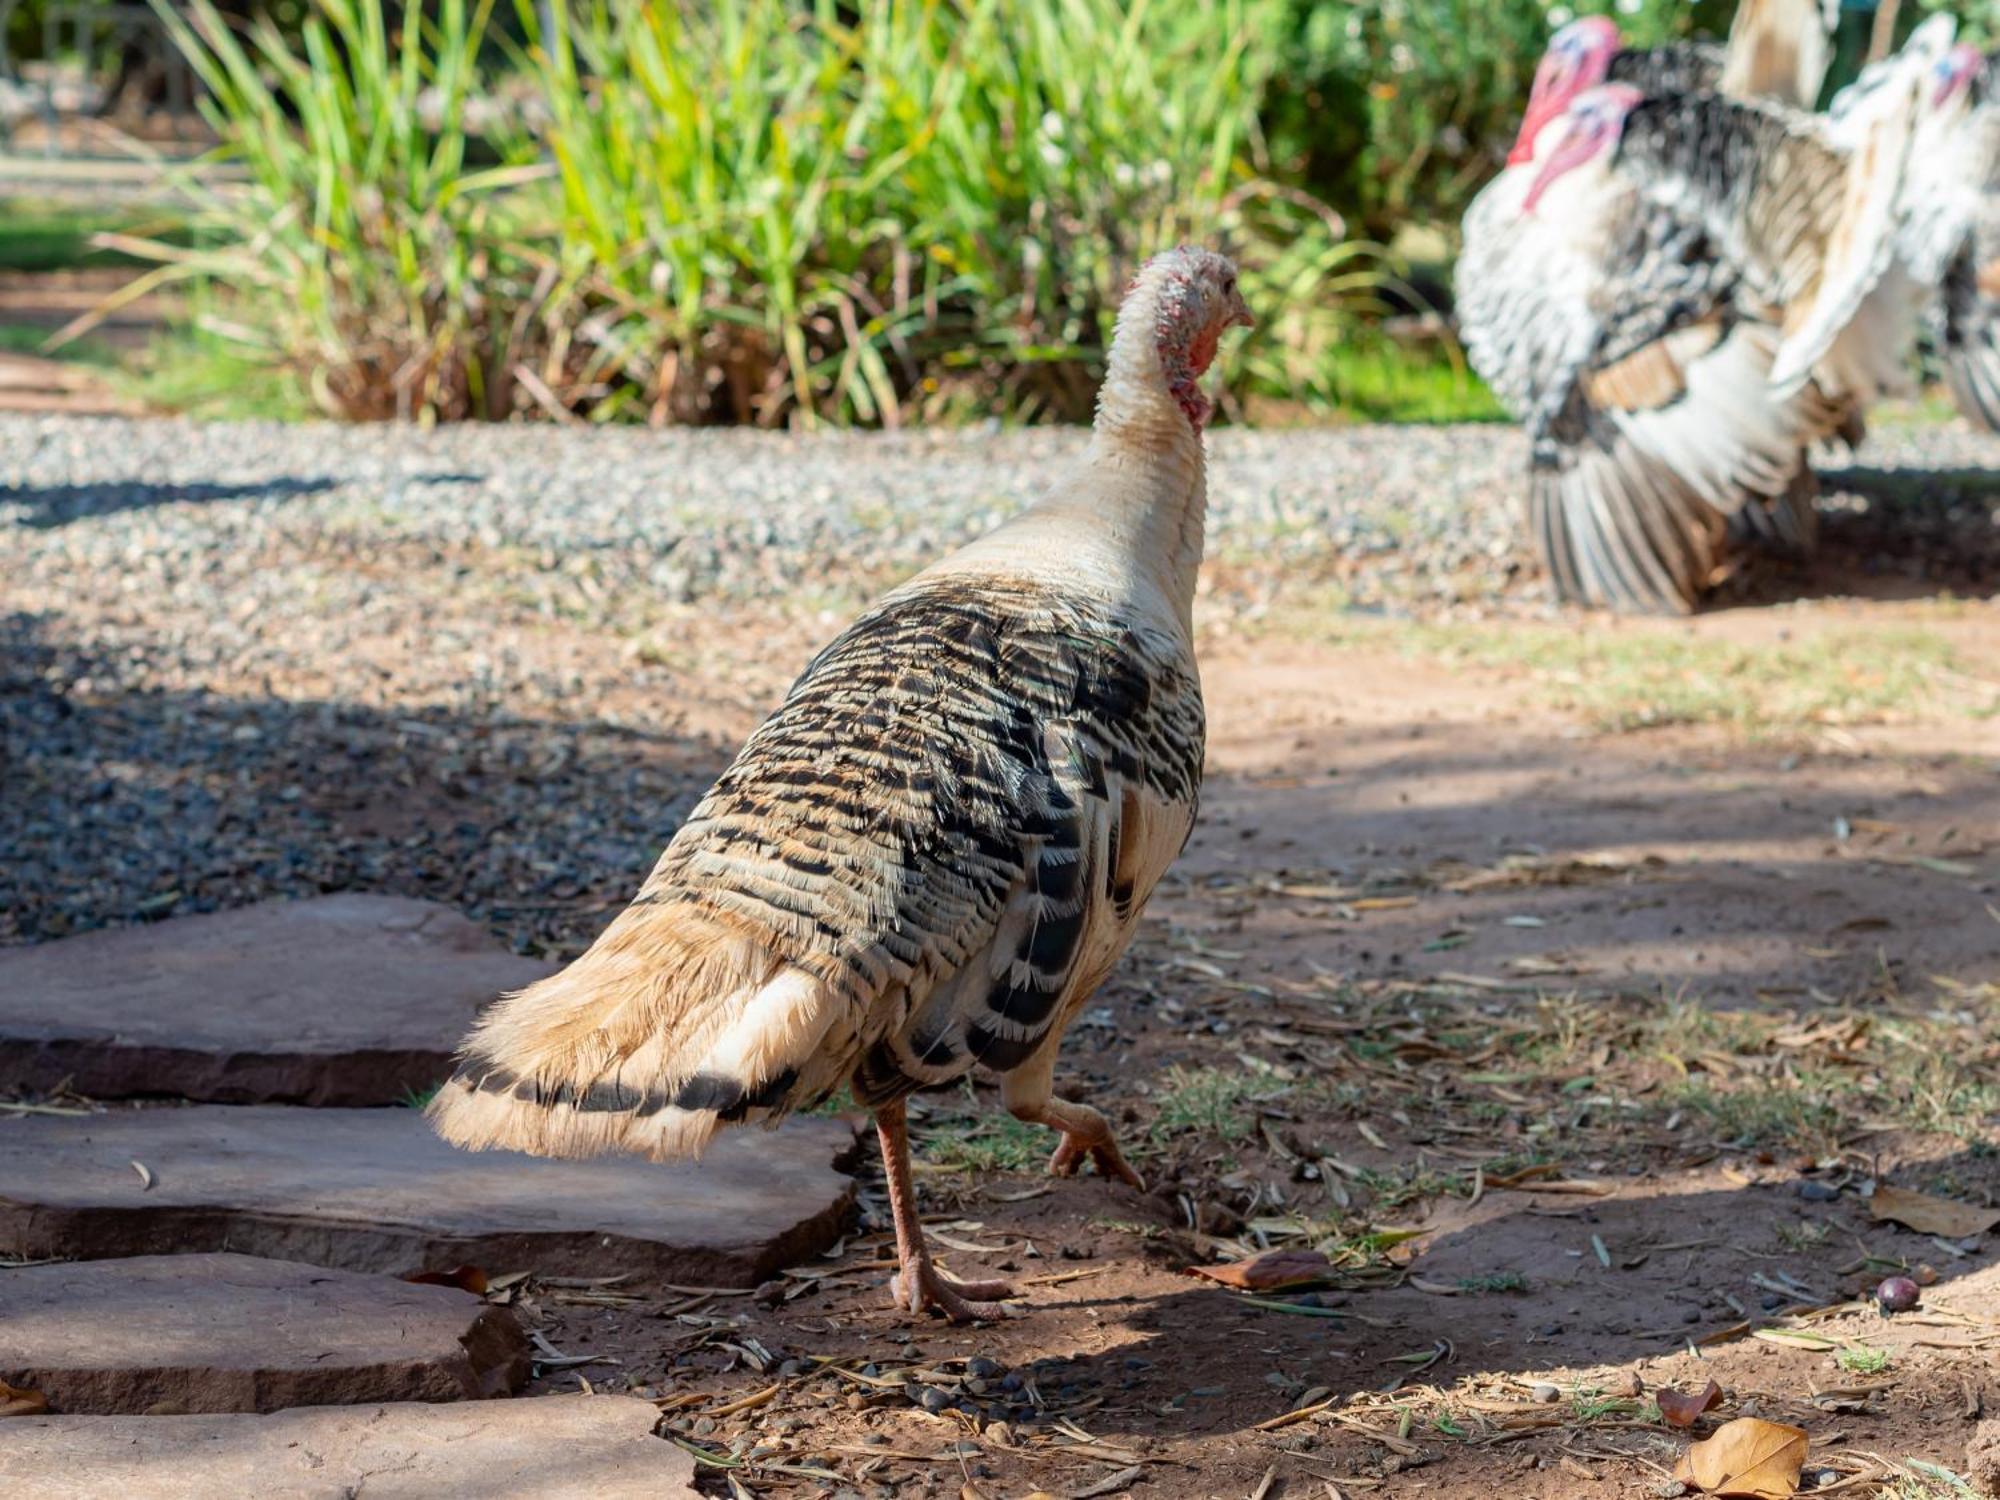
(1862, 1359)
(753, 210)
(39, 235)
(994, 1142)
(1794, 1118)
(1210, 1101)
(1499, 1281)
(1622, 676)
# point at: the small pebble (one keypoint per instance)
(1897, 1294)
(983, 1367)
(930, 1398)
(1815, 1191)
(1544, 1392)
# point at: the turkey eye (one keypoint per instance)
(1228, 286)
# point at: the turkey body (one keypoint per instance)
(1635, 325)
(937, 846)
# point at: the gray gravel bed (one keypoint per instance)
(239, 660)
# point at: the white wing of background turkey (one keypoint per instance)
(1663, 430)
(1836, 263)
(1952, 184)
(1779, 50)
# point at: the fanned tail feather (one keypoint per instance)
(1620, 529)
(1787, 523)
(647, 1043)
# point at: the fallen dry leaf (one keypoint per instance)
(465, 1278)
(20, 1401)
(1270, 1270)
(1931, 1215)
(1678, 1409)
(1748, 1458)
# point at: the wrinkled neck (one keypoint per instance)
(1146, 447)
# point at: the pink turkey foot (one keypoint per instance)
(1085, 1132)
(920, 1285)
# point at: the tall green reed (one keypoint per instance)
(780, 211)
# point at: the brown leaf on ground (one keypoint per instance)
(1679, 1409)
(1928, 1214)
(20, 1401)
(1748, 1458)
(1270, 1270)
(465, 1278)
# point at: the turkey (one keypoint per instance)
(1950, 232)
(1617, 320)
(1777, 50)
(934, 849)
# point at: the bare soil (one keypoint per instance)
(1690, 992)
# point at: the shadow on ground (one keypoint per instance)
(119, 805)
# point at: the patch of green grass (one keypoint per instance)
(1379, 379)
(45, 235)
(419, 1098)
(1644, 679)
(17, 338)
(1804, 1235)
(839, 1102)
(994, 1142)
(188, 371)
(1928, 1481)
(1210, 1101)
(1762, 1115)
(1590, 1403)
(1935, 1090)
(1406, 1183)
(1499, 1281)
(1862, 1359)
(1628, 675)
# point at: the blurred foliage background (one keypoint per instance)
(854, 211)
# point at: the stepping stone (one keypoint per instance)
(376, 1190)
(216, 1333)
(539, 1448)
(338, 1000)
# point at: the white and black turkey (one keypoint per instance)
(1673, 326)
(1950, 234)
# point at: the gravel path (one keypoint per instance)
(246, 659)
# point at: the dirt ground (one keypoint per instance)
(1610, 1027)
(1573, 988)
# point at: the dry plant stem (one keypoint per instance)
(1085, 1133)
(919, 1284)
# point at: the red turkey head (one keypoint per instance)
(1954, 72)
(1196, 299)
(1579, 58)
(1590, 129)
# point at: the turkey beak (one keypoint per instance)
(1239, 312)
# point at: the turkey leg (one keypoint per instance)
(919, 1284)
(1085, 1132)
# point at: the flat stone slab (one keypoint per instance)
(233, 1333)
(542, 1448)
(338, 1000)
(376, 1190)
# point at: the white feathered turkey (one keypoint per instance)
(934, 850)
(1635, 315)
(1950, 232)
